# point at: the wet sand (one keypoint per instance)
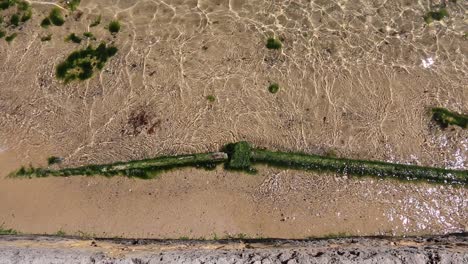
(352, 80)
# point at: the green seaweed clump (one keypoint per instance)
(53, 160)
(273, 43)
(56, 17)
(210, 98)
(8, 231)
(11, 37)
(89, 35)
(82, 63)
(436, 15)
(73, 4)
(14, 20)
(45, 23)
(26, 16)
(2, 33)
(5, 4)
(25, 9)
(444, 118)
(239, 155)
(114, 26)
(28, 172)
(96, 21)
(46, 37)
(273, 88)
(73, 38)
(24, 6)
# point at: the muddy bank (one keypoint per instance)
(440, 249)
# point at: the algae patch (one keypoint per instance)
(81, 64)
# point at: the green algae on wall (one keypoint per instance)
(241, 156)
(444, 118)
(144, 169)
(358, 167)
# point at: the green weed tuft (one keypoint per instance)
(114, 26)
(23, 6)
(56, 17)
(73, 4)
(26, 15)
(11, 37)
(5, 4)
(273, 88)
(273, 43)
(210, 98)
(60, 233)
(89, 35)
(14, 20)
(45, 23)
(7, 231)
(53, 160)
(240, 236)
(73, 38)
(96, 22)
(436, 15)
(46, 37)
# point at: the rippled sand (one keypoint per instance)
(356, 77)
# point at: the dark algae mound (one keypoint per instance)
(11, 37)
(96, 21)
(82, 63)
(114, 27)
(73, 38)
(436, 15)
(239, 156)
(273, 43)
(56, 17)
(273, 88)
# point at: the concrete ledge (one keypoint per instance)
(48, 249)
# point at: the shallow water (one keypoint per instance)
(356, 79)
